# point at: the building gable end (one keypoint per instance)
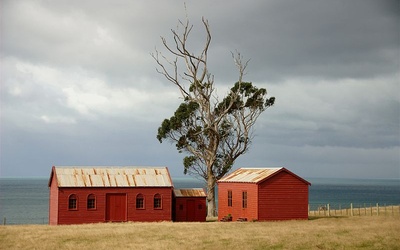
(286, 171)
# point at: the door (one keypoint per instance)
(116, 207)
(190, 210)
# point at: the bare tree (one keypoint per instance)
(212, 133)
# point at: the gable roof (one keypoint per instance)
(256, 175)
(189, 192)
(111, 176)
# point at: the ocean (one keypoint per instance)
(26, 200)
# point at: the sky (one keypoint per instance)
(79, 86)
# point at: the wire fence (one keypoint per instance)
(353, 209)
(314, 209)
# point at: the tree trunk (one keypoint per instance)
(211, 196)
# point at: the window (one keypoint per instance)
(244, 199)
(229, 198)
(72, 202)
(139, 201)
(200, 207)
(157, 201)
(91, 201)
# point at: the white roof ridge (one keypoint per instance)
(262, 168)
(107, 166)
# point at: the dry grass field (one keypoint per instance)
(361, 232)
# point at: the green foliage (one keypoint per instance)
(213, 133)
(219, 134)
(177, 121)
(245, 95)
(188, 162)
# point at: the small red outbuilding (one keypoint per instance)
(190, 205)
(263, 194)
(94, 194)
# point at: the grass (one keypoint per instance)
(361, 232)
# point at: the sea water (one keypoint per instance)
(340, 193)
(26, 200)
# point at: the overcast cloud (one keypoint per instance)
(79, 87)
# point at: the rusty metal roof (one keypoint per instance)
(249, 175)
(256, 175)
(190, 192)
(112, 176)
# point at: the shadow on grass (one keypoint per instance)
(211, 219)
(326, 217)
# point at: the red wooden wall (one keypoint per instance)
(99, 214)
(190, 209)
(280, 197)
(283, 197)
(237, 210)
(53, 203)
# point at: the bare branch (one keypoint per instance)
(214, 133)
(238, 60)
(172, 77)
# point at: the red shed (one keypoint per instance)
(263, 194)
(190, 205)
(96, 194)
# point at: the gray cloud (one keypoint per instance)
(327, 39)
(78, 84)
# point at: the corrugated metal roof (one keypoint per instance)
(112, 176)
(190, 192)
(249, 175)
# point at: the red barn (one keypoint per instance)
(90, 195)
(190, 205)
(262, 194)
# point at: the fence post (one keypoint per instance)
(377, 209)
(329, 209)
(4, 221)
(351, 209)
